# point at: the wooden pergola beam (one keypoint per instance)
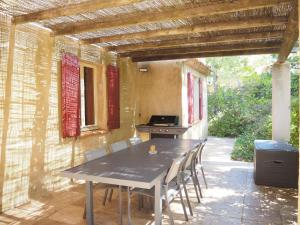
(186, 30)
(197, 41)
(72, 9)
(166, 15)
(290, 36)
(208, 54)
(191, 50)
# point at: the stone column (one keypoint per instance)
(281, 101)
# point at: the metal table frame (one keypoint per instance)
(131, 167)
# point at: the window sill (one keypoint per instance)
(87, 133)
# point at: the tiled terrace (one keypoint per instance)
(232, 198)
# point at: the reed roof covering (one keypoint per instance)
(168, 29)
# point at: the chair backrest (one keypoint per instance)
(189, 158)
(201, 151)
(135, 140)
(94, 154)
(196, 154)
(118, 146)
(174, 169)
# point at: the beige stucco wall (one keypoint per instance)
(200, 127)
(159, 90)
(32, 150)
(163, 90)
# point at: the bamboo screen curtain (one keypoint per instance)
(70, 95)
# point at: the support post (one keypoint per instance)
(281, 101)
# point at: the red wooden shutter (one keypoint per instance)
(200, 99)
(70, 95)
(190, 89)
(113, 84)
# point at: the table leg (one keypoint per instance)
(158, 203)
(89, 203)
(129, 206)
(120, 205)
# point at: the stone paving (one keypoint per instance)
(231, 198)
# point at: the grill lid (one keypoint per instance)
(163, 120)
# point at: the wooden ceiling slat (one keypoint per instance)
(186, 30)
(290, 36)
(72, 9)
(167, 15)
(213, 48)
(197, 41)
(208, 54)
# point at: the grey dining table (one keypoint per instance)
(132, 167)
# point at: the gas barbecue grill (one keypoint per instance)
(163, 126)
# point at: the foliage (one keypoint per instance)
(244, 110)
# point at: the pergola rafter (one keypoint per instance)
(207, 54)
(199, 49)
(164, 15)
(162, 29)
(232, 38)
(72, 9)
(290, 36)
(188, 30)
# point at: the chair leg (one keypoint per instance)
(84, 212)
(139, 202)
(198, 184)
(204, 177)
(183, 206)
(168, 206)
(129, 205)
(196, 189)
(187, 197)
(105, 196)
(120, 206)
(110, 195)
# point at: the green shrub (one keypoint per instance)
(244, 145)
(244, 111)
(295, 123)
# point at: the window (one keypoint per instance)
(88, 96)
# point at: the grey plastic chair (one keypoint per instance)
(171, 187)
(193, 171)
(198, 163)
(115, 147)
(135, 140)
(184, 177)
(118, 146)
(190, 173)
(92, 155)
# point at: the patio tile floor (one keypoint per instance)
(232, 198)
